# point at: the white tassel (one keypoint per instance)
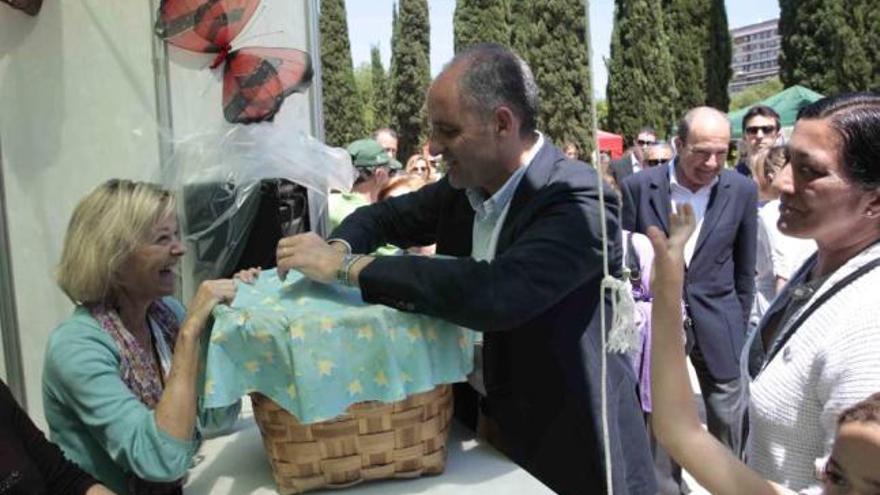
(623, 337)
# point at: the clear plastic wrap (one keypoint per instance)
(219, 178)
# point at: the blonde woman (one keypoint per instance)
(120, 376)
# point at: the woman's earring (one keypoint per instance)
(869, 213)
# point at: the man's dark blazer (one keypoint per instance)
(537, 303)
(720, 281)
(622, 167)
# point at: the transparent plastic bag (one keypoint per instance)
(218, 178)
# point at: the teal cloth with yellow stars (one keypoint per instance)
(315, 349)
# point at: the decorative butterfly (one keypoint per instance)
(31, 7)
(255, 80)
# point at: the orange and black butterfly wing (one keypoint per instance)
(206, 26)
(257, 80)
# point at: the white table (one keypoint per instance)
(236, 464)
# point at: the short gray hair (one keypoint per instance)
(495, 76)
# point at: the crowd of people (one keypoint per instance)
(764, 275)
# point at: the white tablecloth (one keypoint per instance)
(236, 464)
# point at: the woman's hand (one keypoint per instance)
(248, 276)
(669, 251)
(209, 294)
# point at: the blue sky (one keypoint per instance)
(369, 23)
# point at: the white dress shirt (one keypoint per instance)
(699, 200)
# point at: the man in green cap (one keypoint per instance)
(374, 168)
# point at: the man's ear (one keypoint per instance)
(506, 122)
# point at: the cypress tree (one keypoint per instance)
(718, 55)
(820, 48)
(343, 109)
(857, 67)
(871, 40)
(410, 75)
(477, 21)
(641, 86)
(687, 30)
(380, 97)
(551, 37)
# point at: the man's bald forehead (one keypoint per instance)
(702, 117)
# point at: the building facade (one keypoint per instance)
(755, 54)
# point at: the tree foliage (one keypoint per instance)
(343, 108)
(381, 92)
(478, 21)
(823, 44)
(718, 55)
(686, 26)
(756, 93)
(410, 74)
(551, 36)
(363, 79)
(641, 87)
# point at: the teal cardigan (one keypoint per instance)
(98, 422)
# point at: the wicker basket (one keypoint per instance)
(371, 441)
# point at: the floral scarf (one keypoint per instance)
(138, 374)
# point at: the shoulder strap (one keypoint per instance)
(841, 284)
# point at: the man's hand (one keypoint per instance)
(310, 255)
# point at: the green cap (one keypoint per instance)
(367, 153)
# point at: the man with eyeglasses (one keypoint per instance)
(633, 161)
(760, 131)
(719, 256)
(658, 154)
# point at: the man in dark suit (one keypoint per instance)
(634, 160)
(720, 256)
(522, 232)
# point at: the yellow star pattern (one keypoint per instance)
(243, 317)
(365, 332)
(291, 391)
(252, 366)
(297, 331)
(263, 335)
(381, 379)
(355, 388)
(219, 337)
(269, 301)
(404, 376)
(414, 334)
(325, 367)
(269, 356)
(326, 325)
(432, 334)
(392, 334)
(209, 387)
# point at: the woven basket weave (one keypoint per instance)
(371, 441)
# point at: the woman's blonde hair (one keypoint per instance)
(106, 227)
(765, 164)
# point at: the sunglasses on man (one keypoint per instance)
(654, 163)
(643, 143)
(766, 129)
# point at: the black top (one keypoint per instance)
(29, 463)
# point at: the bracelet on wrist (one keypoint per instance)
(343, 275)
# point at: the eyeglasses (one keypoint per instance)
(766, 129)
(654, 163)
(643, 143)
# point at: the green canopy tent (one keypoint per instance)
(787, 103)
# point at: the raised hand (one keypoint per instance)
(669, 251)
